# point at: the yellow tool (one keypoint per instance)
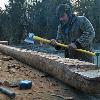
(32, 37)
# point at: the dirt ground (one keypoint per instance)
(44, 87)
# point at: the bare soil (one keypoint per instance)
(44, 87)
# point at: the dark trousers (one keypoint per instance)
(78, 55)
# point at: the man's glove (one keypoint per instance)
(53, 42)
(72, 46)
(71, 50)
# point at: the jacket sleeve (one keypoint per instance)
(59, 37)
(88, 33)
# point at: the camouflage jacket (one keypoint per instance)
(81, 32)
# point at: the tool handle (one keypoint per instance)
(7, 92)
(63, 45)
(41, 39)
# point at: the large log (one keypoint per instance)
(4, 42)
(78, 74)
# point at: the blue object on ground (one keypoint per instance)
(25, 84)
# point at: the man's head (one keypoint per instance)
(64, 12)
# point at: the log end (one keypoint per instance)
(4, 42)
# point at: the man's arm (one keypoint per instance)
(59, 37)
(88, 33)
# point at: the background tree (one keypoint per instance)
(39, 17)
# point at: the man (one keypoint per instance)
(75, 31)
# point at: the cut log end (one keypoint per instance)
(4, 42)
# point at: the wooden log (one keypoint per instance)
(4, 42)
(81, 75)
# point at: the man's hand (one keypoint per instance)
(72, 46)
(53, 42)
(71, 50)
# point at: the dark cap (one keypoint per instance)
(63, 8)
